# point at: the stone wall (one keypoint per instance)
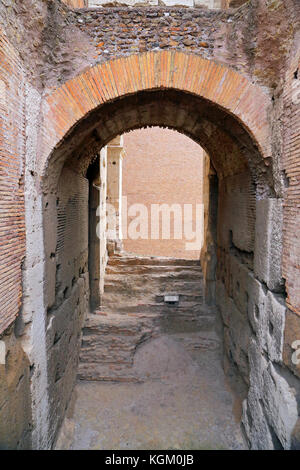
(250, 296)
(235, 242)
(68, 234)
(190, 3)
(234, 263)
(15, 370)
(208, 255)
(115, 153)
(186, 3)
(215, 80)
(215, 34)
(15, 397)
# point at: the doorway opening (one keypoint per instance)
(235, 276)
(149, 322)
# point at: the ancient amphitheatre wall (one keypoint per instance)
(58, 46)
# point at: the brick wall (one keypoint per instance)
(161, 166)
(291, 165)
(15, 376)
(12, 235)
(71, 286)
(76, 3)
(190, 44)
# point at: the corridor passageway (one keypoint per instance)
(212, 345)
(241, 253)
(151, 374)
(151, 365)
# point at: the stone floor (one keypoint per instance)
(185, 403)
(151, 373)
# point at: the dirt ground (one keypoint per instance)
(185, 403)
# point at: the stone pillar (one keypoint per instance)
(115, 154)
(208, 255)
(94, 242)
(97, 227)
(102, 225)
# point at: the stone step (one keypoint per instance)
(113, 338)
(151, 260)
(184, 275)
(151, 269)
(116, 354)
(177, 286)
(119, 299)
(133, 310)
(107, 323)
(184, 308)
(123, 303)
(107, 372)
(113, 350)
(170, 324)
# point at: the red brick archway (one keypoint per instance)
(235, 94)
(217, 107)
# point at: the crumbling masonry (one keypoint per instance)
(72, 79)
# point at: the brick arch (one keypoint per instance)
(109, 91)
(66, 106)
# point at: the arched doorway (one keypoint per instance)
(227, 115)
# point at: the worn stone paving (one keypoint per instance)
(185, 404)
(133, 310)
(152, 379)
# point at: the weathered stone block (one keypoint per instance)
(270, 414)
(280, 404)
(255, 425)
(253, 417)
(222, 302)
(257, 308)
(15, 399)
(268, 243)
(258, 364)
(266, 312)
(276, 311)
(237, 330)
(236, 341)
(239, 274)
